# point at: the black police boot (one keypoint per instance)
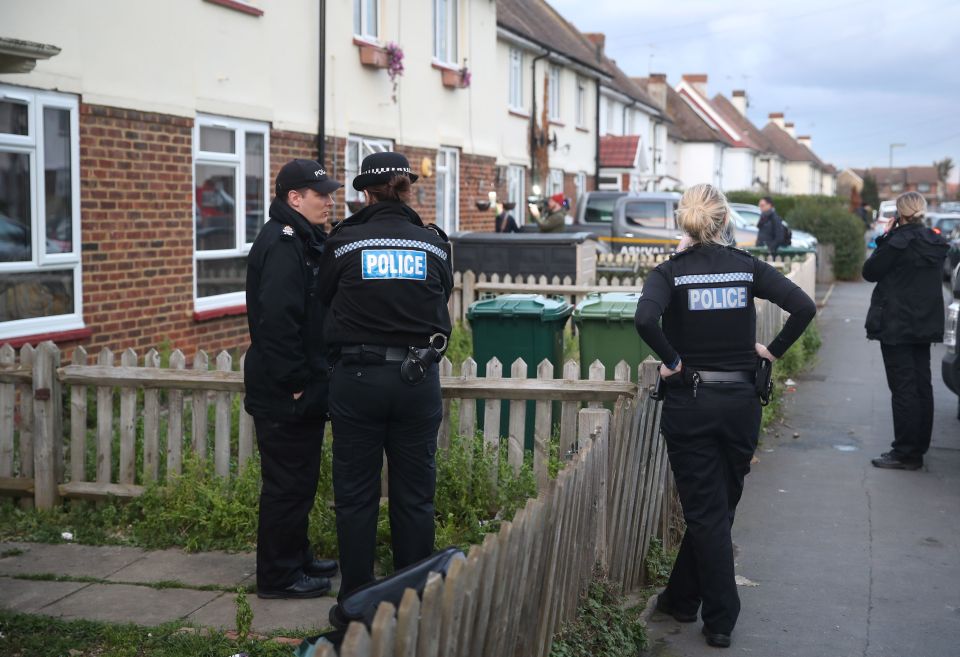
(716, 639)
(321, 568)
(664, 607)
(890, 461)
(304, 587)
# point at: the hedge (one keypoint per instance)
(829, 221)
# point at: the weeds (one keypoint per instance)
(603, 628)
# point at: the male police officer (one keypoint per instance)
(285, 374)
(386, 279)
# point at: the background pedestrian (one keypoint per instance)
(770, 230)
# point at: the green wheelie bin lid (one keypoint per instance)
(528, 306)
(609, 306)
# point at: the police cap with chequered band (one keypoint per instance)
(380, 168)
(297, 174)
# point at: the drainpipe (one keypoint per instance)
(653, 156)
(533, 117)
(322, 118)
(596, 149)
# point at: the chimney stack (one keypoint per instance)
(776, 118)
(806, 141)
(599, 40)
(657, 88)
(788, 127)
(698, 81)
(739, 101)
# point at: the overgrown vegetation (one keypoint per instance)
(799, 357)
(659, 563)
(23, 635)
(603, 627)
(831, 223)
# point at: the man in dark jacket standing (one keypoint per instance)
(906, 315)
(285, 374)
(770, 231)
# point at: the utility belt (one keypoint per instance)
(761, 378)
(414, 361)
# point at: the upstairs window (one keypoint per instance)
(445, 31)
(581, 103)
(365, 19)
(553, 91)
(230, 203)
(515, 92)
(40, 270)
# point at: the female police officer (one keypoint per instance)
(711, 413)
(385, 278)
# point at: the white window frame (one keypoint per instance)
(365, 146)
(362, 31)
(604, 127)
(516, 191)
(32, 144)
(553, 93)
(515, 81)
(450, 29)
(580, 182)
(581, 117)
(451, 178)
(555, 182)
(237, 160)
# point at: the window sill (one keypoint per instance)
(54, 336)
(217, 313)
(558, 123)
(520, 113)
(372, 54)
(440, 66)
(237, 5)
(580, 128)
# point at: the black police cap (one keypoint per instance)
(297, 174)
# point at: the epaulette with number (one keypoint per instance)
(287, 232)
(439, 231)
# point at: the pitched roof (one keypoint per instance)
(619, 152)
(750, 135)
(904, 175)
(537, 21)
(626, 85)
(829, 168)
(787, 147)
(682, 122)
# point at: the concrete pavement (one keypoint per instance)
(130, 585)
(840, 558)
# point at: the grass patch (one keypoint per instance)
(602, 628)
(22, 635)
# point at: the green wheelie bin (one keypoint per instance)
(607, 333)
(527, 326)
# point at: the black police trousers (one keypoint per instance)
(908, 377)
(290, 469)
(374, 411)
(710, 441)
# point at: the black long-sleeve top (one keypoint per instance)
(705, 296)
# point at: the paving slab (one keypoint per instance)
(847, 559)
(29, 596)
(305, 616)
(122, 603)
(67, 559)
(198, 569)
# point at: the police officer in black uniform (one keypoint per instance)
(711, 412)
(386, 279)
(285, 374)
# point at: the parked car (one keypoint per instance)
(953, 255)
(885, 214)
(751, 216)
(943, 223)
(950, 366)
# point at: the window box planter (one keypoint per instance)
(453, 78)
(373, 56)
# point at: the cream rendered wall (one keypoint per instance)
(576, 147)
(770, 171)
(799, 177)
(672, 162)
(426, 114)
(829, 184)
(513, 131)
(738, 169)
(178, 57)
(700, 163)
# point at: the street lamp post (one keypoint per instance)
(892, 146)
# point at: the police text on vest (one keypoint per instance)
(717, 298)
(394, 263)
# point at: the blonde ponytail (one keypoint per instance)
(911, 206)
(702, 214)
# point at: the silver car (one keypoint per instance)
(750, 215)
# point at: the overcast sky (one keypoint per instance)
(857, 75)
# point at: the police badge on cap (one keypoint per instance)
(297, 174)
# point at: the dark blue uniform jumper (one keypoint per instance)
(386, 279)
(705, 296)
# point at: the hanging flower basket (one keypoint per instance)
(394, 61)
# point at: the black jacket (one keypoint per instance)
(386, 279)
(285, 318)
(705, 295)
(770, 232)
(907, 302)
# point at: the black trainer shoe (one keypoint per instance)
(321, 568)
(664, 608)
(716, 639)
(304, 587)
(889, 461)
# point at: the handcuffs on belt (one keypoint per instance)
(414, 367)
